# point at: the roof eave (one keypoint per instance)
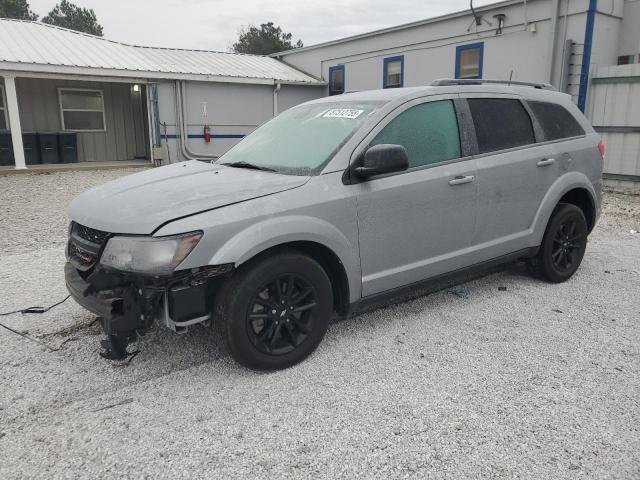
(80, 71)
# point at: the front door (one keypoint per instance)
(418, 223)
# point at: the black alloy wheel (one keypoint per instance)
(563, 245)
(280, 316)
(567, 245)
(274, 310)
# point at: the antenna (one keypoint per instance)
(478, 18)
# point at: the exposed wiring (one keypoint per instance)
(33, 310)
(476, 17)
(24, 335)
(36, 309)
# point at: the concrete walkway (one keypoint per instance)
(65, 167)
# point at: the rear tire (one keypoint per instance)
(563, 245)
(274, 311)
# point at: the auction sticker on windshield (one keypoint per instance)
(343, 113)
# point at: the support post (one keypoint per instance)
(14, 121)
(586, 54)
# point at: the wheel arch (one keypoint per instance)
(327, 259)
(581, 198)
(573, 187)
(314, 237)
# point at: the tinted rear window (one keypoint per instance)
(500, 123)
(556, 121)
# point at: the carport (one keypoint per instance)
(68, 97)
(52, 120)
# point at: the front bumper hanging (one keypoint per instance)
(128, 305)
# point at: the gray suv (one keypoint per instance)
(334, 205)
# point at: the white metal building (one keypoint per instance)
(571, 44)
(61, 90)
(124, 101)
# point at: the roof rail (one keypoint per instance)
(443, 82)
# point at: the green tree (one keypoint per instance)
(264, 40)
(16, 9)
(67, 15)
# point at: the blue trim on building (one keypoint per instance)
(586, 54)
(385, 67)
(344, 79)
(215, 135)
(469, 46)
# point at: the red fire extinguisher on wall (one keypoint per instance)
(207, 134)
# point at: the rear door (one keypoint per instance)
(417, 223)
(514, 173)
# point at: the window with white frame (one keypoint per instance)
(82, 110)
(4, 123)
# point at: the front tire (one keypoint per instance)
(274, 311)
(563, 245)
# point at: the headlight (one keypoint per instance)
(151, 255)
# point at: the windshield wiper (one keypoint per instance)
(252, 166)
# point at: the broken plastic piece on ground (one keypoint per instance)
(121, 402)
(462, 293)
(556, 310)
(502, 289)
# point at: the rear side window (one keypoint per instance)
(428, 131)
(555, 120)
(500, 123)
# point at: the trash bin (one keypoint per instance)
(30, 145)
(6, 149)
(48, 146)
(68, 144)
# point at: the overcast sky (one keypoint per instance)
(214, 24)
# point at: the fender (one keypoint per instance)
(272, 232)
(560, 187)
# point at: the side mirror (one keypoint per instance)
(384, 158)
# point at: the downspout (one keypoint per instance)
(555, 12)
(276, 89)
(586, 54)
(183, 136)
(183, 152)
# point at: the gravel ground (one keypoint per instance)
(538, 381)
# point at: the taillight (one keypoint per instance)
(601, 148)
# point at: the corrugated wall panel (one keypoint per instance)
(125, 136)
(615, 96)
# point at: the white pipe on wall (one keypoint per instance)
(182, 123)
(555, 13)
(276, 89)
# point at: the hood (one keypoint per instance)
(140, 203)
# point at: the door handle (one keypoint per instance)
(546, 162)
(461, 179)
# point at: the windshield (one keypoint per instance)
(301, 140)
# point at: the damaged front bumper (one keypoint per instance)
(129, 305)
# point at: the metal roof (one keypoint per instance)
(38, 47)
